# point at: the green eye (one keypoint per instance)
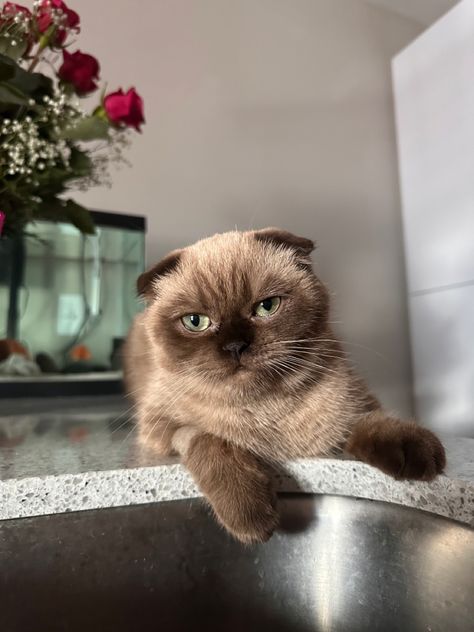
(196, 322)
(267, 307)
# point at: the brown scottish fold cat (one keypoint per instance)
(233, 364)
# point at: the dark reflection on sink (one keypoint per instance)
(343, 565)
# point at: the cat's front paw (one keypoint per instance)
(401, 449)
(248, 519)
(237, 486)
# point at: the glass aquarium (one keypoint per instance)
(66, 303)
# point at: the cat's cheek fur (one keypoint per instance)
(401, 449)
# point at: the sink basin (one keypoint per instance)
(338, 564)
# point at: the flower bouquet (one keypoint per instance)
(48, 143)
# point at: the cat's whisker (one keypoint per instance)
(321, 354)
(285, 369)
(304, 363)
(170, 420)
(357, 345)
(314, 365)
(325, 340)
(312, 352)
(127, 414)
(276, 370)
(296, 370)
(298, 379)
(177, 394)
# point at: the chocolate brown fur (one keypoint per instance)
(291, 394)
(237, 486)
(403, 450)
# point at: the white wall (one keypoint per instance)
(270, 112)
(435, 120)
(423, 11)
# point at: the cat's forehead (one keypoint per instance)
(223, 253)
(230, 270)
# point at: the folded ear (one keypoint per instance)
(300, 245)
(165, 266)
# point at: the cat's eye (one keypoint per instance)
(267, 307)
(196, 322)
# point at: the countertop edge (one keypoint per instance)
(42, 495)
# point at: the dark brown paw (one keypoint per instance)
(248, 513)
(237, 486)
(251, 524)
(402, 450)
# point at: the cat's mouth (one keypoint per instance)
(239, 368)
(248, 363)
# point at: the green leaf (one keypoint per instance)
(59, 210)
(88, 128)
(7, 69)
(68, 88)
(80, 217)
(52, 181)
(10, 95)
(32, 84)
(17, 215)
(80, 163)
(35, 84)
(14, 52)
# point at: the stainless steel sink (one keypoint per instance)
(339, 564)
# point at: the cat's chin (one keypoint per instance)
(248, 370)
(240, 373)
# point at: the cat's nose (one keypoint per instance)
(236, 348)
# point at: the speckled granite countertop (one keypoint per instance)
(76, 456)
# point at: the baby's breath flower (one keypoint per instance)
(23, 146)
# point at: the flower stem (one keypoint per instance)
(36, 58)
(43, 43)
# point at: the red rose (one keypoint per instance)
(10, 9)
(79, 69)
(126, 109)
(45, 17)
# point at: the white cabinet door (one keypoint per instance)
(442, 326)
(434, 101)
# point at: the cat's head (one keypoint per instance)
(239, 305)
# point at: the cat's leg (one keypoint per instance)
(402, 449)
(233, 480)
